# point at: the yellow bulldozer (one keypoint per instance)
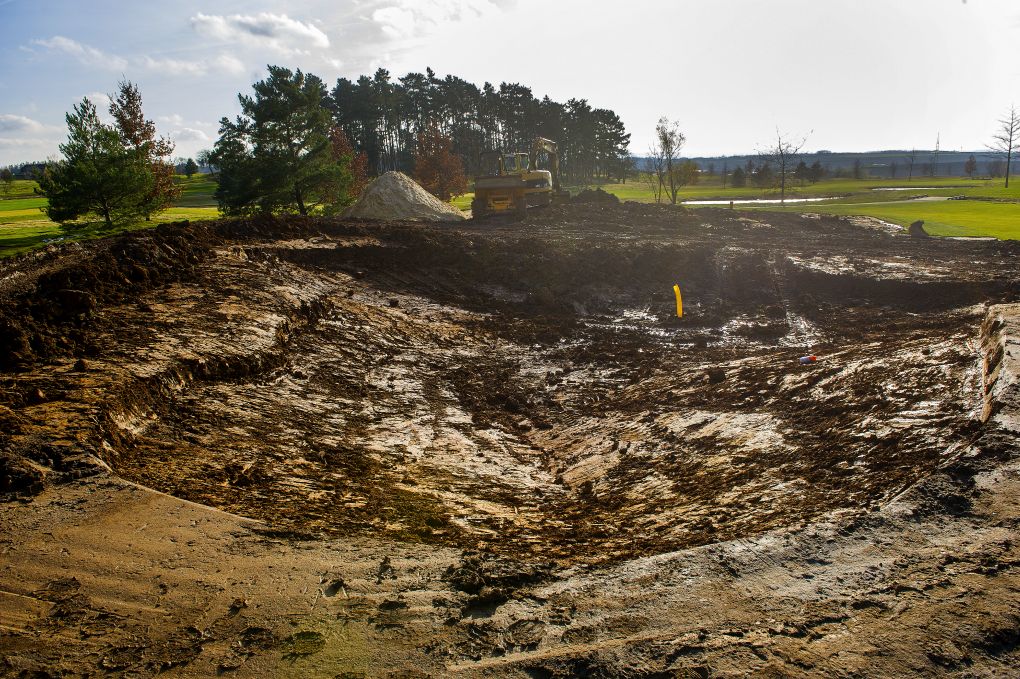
(512, 182)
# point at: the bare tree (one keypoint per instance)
(657, 171)
(668, 142)
(206, 159)
(970, 167)
(784, 156)
(1007, 139)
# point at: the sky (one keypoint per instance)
(849, 75)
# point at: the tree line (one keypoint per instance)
(383, 117)
(299, 146)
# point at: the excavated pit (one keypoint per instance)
(525, 394)
(527, 389)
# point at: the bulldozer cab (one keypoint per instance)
(515, 163)
(496, 164)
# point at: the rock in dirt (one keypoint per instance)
(395, 196)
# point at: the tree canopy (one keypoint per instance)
(277, 156)
(98, 174)
(139, 135)
(383, 117)
(436, 167)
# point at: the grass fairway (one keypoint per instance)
(24, 226)
(941, 218)
(992, 211)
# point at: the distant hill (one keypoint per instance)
(882, 164)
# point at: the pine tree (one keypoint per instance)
(139, 135)
(7, 180)
(277, 155)
(98, 175)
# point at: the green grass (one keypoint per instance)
(941, 218)
(20, 188)
(710, 187)
(992, 209)
(196, 192)
(24, 227)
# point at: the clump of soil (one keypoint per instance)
(395, 196)
(596, 196)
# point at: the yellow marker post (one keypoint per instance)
(679, 302)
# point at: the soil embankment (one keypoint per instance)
(493, 449)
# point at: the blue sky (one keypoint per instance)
(848, 74)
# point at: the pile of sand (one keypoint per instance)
(395, 196)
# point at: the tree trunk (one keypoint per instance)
(105, 211)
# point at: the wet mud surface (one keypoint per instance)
(517, 404)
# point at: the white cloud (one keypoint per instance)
(190, 134)
(228, 64)
(175, 66)
(90, 56)
(174, 119)
(27, 137)
(276, 31)
(19, 143)
(222, 63)
(410, 18)
(101, 100)
(14, 123)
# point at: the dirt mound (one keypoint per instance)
(917, 229)
(596, 196)
(395, 196)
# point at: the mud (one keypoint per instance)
(587, 484)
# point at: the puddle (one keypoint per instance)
(758, 201)
(913, 188)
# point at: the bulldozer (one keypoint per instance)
(512, 182)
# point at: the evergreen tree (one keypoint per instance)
(816, 172)
(98, 174)
(383, 116)
(802, 173)
(190, 167)
(277, 155)
(7, 179)
(739, 178)
(138, 135)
